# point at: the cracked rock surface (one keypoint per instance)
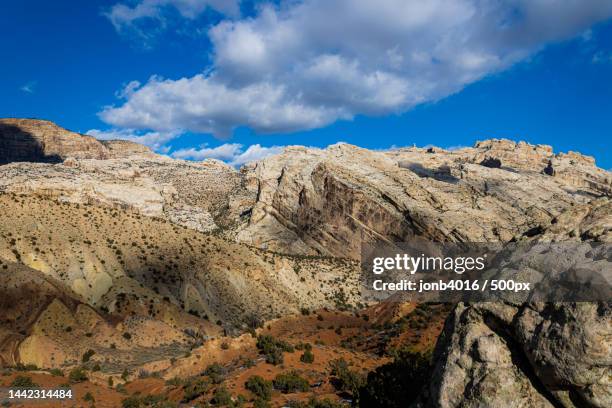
(537, 355)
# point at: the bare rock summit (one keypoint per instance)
(32, 140)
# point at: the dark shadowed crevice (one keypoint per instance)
(519, 359)
(578, 400)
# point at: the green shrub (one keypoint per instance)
(56, 372)
(275, 357)
(307, 357)
(346, 380)
(260, 403)
(398, 383)
(265, 342)
(131, 402)
(87, 355)
(77, 375)
(221, 397)
(89, 397)
(273, 348)
(248, 363)
(303, 346)
(260, 387)
(215, 372)
(23, 381)
(290, 382)
(195, 388)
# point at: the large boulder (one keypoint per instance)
(534, 355)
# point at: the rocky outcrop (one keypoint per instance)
(204, 196)
(43, 141)
(31, 140)
(119, 149)
(46, 324)
(330, 201)
(536, 355)
(325, 201)
(491, 354)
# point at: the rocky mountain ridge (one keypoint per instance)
(327, 201)
(330, 200)
(303, 214)
(33, 140)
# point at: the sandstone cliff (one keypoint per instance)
(31, 140)
(328, 201)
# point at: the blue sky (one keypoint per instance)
(234, 80)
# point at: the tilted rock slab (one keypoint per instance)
(329, 201)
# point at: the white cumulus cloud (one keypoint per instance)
(305, 64)
(232, 153)
(155, 140)
(124, 15)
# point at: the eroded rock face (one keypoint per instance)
(492, 354)
(203, 196)
(540, 355)
(329, 201)
(47, 324)
(31, 140)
